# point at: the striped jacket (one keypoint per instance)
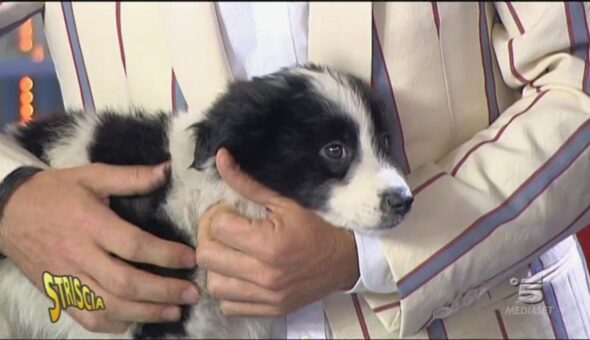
(492, 111)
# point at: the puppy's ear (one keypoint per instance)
(205, 144)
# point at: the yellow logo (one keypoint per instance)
(67, 291)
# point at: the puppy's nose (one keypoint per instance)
(397, 201)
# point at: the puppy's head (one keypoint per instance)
(315, 135)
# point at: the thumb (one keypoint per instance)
(116, 180)
(241, 182)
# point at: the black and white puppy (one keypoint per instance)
(310, 133)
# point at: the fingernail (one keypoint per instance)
(164, 168)
(171, 313)
(168, 170)
(189, 260)
(190, 296)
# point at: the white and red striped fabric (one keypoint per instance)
(492, 112)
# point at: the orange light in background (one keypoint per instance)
(25, 83)
(38, 54)
(25, 41)
(26, 99)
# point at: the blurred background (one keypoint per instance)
(28, 84)
(29, 88)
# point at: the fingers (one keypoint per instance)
(241, 182)
(232, 308)
(118, 313)
(129, 311)
(212, 256)
(108, 180)
(133, 244)
(235, 231)
(130, 283)
(231, 289)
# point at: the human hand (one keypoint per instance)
(272, 266)
(59, 221)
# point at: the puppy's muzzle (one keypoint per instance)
(396, 202)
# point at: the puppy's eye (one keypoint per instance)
(334, 151)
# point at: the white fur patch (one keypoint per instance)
(73, 150)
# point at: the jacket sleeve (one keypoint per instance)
(516, 188)
(14, 13)
(12, 156)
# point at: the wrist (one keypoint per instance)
(10, 184)
(347, 266)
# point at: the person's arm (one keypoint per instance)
(14, 164)
(517, 187)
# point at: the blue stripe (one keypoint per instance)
(181, 105)
(8, 28)
(551, 301)
(580, 34)
(436, 330)
(516, 204)
(580, 42)
(78, 57)
(384, 90)
(487, 61)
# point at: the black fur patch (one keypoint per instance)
(382, 121)
(139, 140)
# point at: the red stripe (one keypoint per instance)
(173, 91)
(84, 104)
(428, 182)
(506, 202)
(401, 130)
(501, 324)
(512, 65)
(360, 316)
(515, 17)
(436, 16)
(386, 307)
(120, 35)
(496, 137)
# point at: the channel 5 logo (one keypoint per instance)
(529, 292)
